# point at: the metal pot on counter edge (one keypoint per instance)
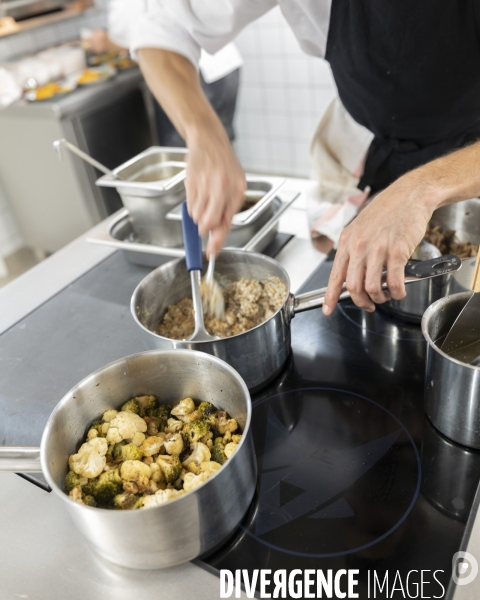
(181, 529)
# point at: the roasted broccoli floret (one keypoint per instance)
(72, 479)
(115, 451)
(218, 451)
(105, 491)
(89, 501)
(127, 501)
(162, 411)
(195, 430)
(208, 409)
(131, 406)
(131, 452)
(171, 467)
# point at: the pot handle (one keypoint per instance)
(414, 271)
(258, 237)
(20, 459)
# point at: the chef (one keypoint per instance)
(407, 70)
(219, 74)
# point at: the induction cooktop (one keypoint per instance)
(351, 474)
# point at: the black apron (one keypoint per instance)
(409, 71)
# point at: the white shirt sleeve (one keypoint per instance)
(122, 17)
(187, 26)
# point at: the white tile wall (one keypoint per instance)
(25, 43)
(283, 94)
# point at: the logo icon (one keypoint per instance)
(464, 568)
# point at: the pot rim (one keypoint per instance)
(67, 397)
(196, 343)
(427, 315)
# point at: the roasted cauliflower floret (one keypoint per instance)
(170, 466)
(77, 495)
(92, 433)
(223, 424)
(90, 458)
(192, 481)
(161, 497)
(200, 453)
(138, 438)
(184, 407)
(124, 426)
(174, 445)
(131, 452)
(136, 471)
(196, 415)
(146, 402)
(173, 426)
(196, 430)
(230, 449)
(152, 444)
(108, 415)
(209, 467)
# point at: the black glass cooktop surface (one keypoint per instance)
(351, 475)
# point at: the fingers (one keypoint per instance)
(373, 277)
(217, 238)
(355, 283)
(335, 282)
(396, 276)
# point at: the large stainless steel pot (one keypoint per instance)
(258, 354)
(184, 528)
(464, 218)
(452, 388)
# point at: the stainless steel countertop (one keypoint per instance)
(42, 557)
(77, 101)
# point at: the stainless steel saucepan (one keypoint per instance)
(260, 353)
(181, 529)
(452, 387)
(464, 218)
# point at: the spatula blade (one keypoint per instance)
(466, 329)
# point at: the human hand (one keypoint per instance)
(384, 235)
(98, 41)
(215, 185)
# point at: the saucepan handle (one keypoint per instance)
(20, 459)
(414, 271)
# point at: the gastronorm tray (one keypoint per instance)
(117, 232)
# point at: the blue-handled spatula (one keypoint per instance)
(194, 260)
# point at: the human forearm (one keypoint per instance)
(446, 180)
(175, 83)
(215, 181)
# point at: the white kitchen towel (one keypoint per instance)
(338, 150)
